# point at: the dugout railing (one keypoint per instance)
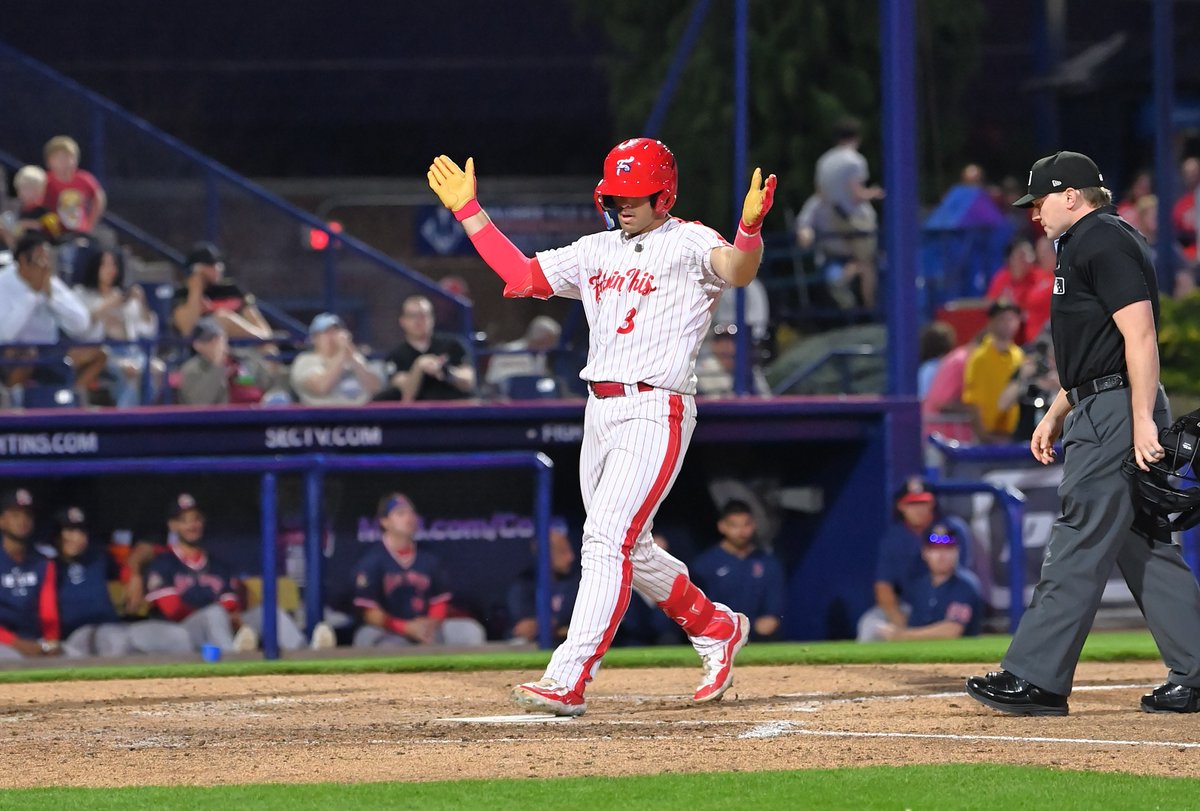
(313, 468)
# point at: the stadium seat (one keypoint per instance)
(48, 396)
(287, 591)
(530, 387)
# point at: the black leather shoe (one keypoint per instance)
(1172, 698)
(1009, 693)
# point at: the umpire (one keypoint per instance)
(1104, 316)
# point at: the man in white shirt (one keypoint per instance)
(35, 305)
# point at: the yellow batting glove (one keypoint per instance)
(455, 187)
(758, 202)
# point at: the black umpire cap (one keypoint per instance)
(1058, 172)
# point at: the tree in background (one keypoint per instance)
(811, 63)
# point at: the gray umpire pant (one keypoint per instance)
(1093, 534)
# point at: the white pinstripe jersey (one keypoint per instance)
(648, 311)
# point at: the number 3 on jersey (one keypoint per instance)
(627, 327)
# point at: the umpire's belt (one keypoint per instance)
(1106, 383)
(607, 389)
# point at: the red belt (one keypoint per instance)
(607, 389)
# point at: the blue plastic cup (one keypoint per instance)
(210, 653)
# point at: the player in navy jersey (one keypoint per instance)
(943, 603)
(401, 592)
(564, 584)
(29, 625)
(739, 574)
(90, 624)
(186, 585)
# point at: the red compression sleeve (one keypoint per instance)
(48, 604)
(438, 610)
(7, 637)
(522, 276)
(396, 625)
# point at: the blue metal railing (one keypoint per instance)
(841, 357)
(313, 467)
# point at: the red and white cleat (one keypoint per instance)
(718, 663)
(548, 695)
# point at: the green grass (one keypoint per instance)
(1100, 647)
(964, 786)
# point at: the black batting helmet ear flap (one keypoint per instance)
(1171, 487)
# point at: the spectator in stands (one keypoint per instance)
(900, 562)
(815, 226)
(757, 314)
(1021, 281)
(741, 575)
(841, 181)
(427, 366)
(36, 307)
(526, 356)
(90, 625)
(645, 622)
(564, 583)
(990, 367)
(1146, 221)
(1183, 213)
(1044, 250)
(30, 185)
(120, 315)
(72, 193)
(1141, 186)
(941, 603)
(29, 625)
(402, 591)
(187, 585)
(209, 292)
(217, 376)
(1032, 387)
(937, 339)
(943, 410)
(334, 372)
(717, 363)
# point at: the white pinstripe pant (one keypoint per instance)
(633, 447)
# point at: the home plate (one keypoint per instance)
(523, 718)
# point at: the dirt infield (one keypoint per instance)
(374, 727)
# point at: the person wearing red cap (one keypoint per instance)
(29, 625)
(900, 560)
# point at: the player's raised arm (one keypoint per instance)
(455, 187)
(738, 265)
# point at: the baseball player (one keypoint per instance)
(90, 625)
(648, 286)
(402, 590)
(29, 623)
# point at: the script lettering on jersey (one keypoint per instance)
(414, 580)
(635, 280)
(215, 584)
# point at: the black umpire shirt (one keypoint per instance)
(1103, 265)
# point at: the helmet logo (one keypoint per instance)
(624, 165)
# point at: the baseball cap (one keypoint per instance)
(323, 322)
(181, 504)
(914, 491)
(203, 253)
(16, 499)
(70, 518)
(391, 501)
(206, 329)
(941, 535)
(1002, 305)
(1058, 172)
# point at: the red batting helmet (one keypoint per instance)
(639, 167)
